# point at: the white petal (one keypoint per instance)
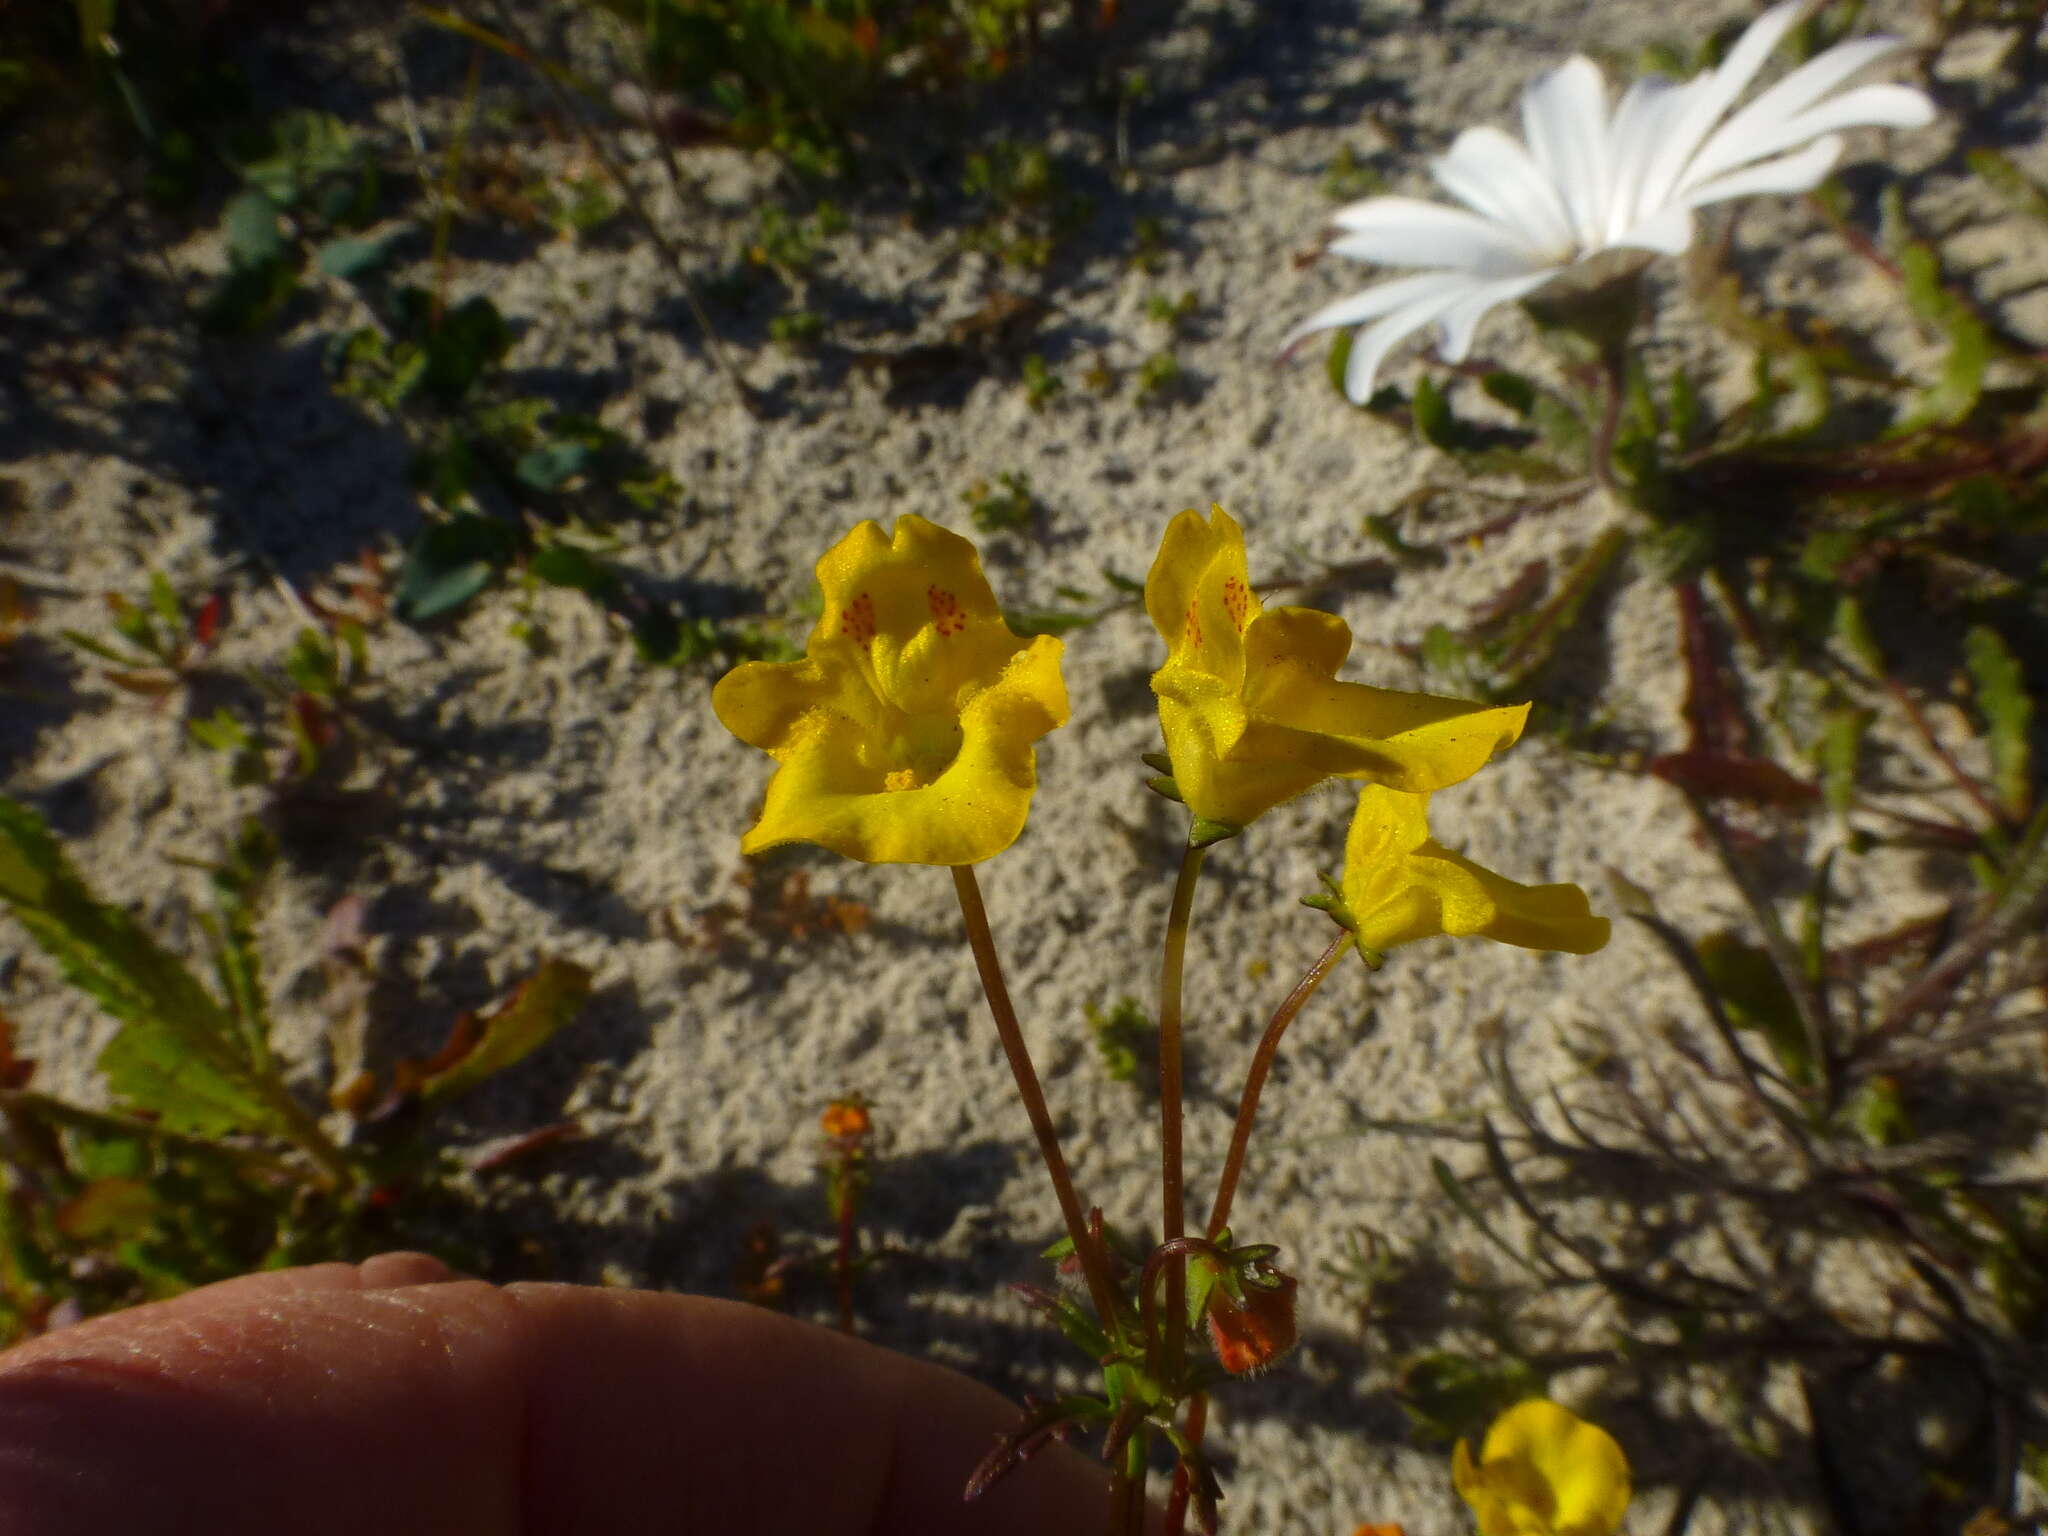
(1383, 298)
(1711, 95)
(1564, 118)
(1669, 230)
(1407, 232)
(1868, 106)
(1369, 348)
(1462, 319)
(1494, 174)
(1640, 121)
(1815, 78)
(1799, 172)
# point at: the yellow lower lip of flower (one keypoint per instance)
(905, 735)
(1401, 885)
(1544, 1471)
(832, 791)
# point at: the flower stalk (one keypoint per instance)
(1094, 1266)
(1255, 1079)
(1172, 1193)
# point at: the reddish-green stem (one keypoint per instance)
(843, 1267)
(1172, 1196)
(1255, 1079)
(982, 942)
(1233, 1170)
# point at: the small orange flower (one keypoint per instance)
(845, 1118)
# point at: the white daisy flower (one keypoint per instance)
(1588, 180)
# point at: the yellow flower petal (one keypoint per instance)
(905, 733)
(1249, 701)
(1400, 886)
(1544, 1471)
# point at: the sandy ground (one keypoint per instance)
(580, 803)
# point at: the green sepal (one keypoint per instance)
(1162, 785)
(1205, 832)
(1158, 762)
(1079, 1330)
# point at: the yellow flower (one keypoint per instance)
(1544, 1472)
(905, 732)
(1251, 705)
(1401, 885)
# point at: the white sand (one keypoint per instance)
(578, 796)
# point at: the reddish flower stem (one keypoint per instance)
(982, 942)
(1172, 1195)
(1255, 1079)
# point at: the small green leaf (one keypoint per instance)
(544, 1003)
(1337, 361)
(1511, 390)
(552, 465)
(1954, 395)
(355, 258)
(1756, 997)
(1434, 423)
(1854, 634)
(568, 565)
(1453, 1397)
(449, 563)
(250, 227)
(2026, 195)
(1879, 1114)
(2001, 695)
(1841, 746)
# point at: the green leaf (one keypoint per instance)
(1757, 998)
(567, 565)
(249, 225)
(1511, 390)
(1450, 1396)
(2026, 195)
(1434, 423)
(449, 563)
(552, 465)
(1853, 633)
(1338, 359)
(1841, 746)
(1954, 395)
(2001, 692)
(356, 258)
(1879, 1115)
(546, 1001)
(178, 1053)
(461, 344)
(1562, 428)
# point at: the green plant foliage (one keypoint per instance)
(802, 77)
(209, 1166)
(1122, 1035)
(1004, 507)
(179, 1054)
(2008, 712)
